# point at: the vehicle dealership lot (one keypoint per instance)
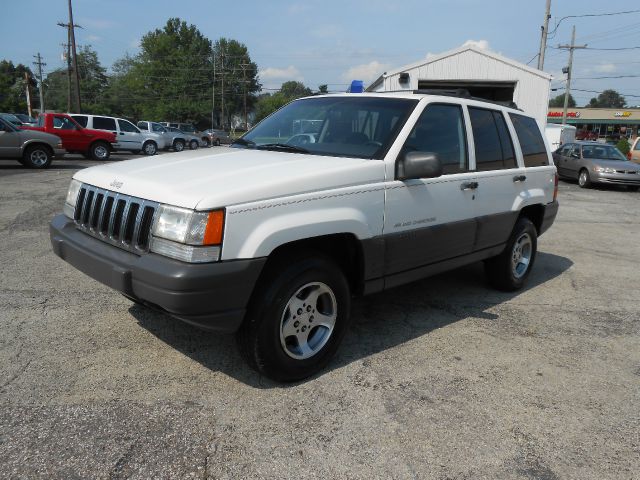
(443, 378)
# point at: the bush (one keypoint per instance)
(623, 146)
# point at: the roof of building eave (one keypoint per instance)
(460, 50)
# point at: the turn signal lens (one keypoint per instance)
(213, 231)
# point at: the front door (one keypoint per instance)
(430, 220)
(9, 141)
(69, 132)
(129, 137)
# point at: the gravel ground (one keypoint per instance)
(444, 378)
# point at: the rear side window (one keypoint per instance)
(81, 119)
(440, 129)
(143, 125)
(533, 148)
(637, 147)
(104, 123)
(157, 128)
(494, 150)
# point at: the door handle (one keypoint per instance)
(519, 178)
(468, 185)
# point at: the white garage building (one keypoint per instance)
(483, 73)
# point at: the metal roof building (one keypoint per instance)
(484, 73)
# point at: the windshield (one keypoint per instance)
(11, 118)
(345, 126)
(602, 152)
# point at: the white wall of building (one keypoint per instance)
(469, 63)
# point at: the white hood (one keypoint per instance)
(222, 177)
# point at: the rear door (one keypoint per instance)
(560, 158)
(500, 179)
(430, 220)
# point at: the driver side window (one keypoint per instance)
(440, 130)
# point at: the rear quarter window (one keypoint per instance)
(532, 145)
(104, 123)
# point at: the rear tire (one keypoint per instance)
(217, 142)
(150, 148)
(99, 151)
(193, 144)
(584, 180)
(279, 337)
(37, 157)
(509, 270)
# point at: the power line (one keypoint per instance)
(598, 92)
(591, 15)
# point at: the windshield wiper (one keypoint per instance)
(244, 141)
(282, 146)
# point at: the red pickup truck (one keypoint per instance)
(95, 144)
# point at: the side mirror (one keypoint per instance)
(418, 165)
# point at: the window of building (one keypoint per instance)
(494, 150)
(533, 148)
(440, 129)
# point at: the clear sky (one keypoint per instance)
(334, 42)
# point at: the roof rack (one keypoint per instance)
(455, 92)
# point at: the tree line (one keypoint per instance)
(178, 75)
(607, 99)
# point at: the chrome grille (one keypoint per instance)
(121, 220)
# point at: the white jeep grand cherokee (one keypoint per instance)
(331, 196)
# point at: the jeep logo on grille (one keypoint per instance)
(116, 183)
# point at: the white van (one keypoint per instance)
(558, 135)
(128, 136)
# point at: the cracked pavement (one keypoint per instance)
(443, 378)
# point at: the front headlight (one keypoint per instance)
(188, 235)
(604, 170)
(72, 198)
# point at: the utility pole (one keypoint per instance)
(543, 39)
(244, 67)
(213, 93)
(39, 63)
(569, 69)
(26, 81)
(67, 46)
(222, 90)
(75, 58)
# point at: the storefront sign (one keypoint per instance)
(559, 114)
(622, 114)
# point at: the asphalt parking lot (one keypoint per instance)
(444, 378)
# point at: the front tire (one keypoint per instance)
(509, 270)
(584, 180)
(37, 157)
(297, 317)
(99, 151)
(150, 148)
(178, 145)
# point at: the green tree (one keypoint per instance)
(324, 88)
(267, 104)
(608, 99)
(13, 97)
(239, 76)
(558, 102)
(93, 84)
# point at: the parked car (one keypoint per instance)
(590, 162)
(203, 139)
(129, 137)
(11, 118)
(272, 240)
(634, 152)
(193, 141)
(26, 119)
(94, 144)
(218, 137)
(31, 148)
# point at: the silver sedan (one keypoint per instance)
(591, 162)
